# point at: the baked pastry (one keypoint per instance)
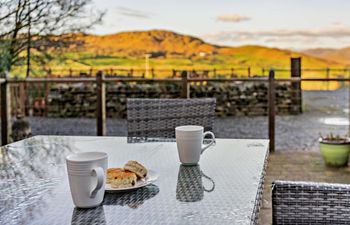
(120, 178)
(111, 172)
(137, 168)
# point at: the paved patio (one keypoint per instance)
(297, 166)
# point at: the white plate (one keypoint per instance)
(151, 177)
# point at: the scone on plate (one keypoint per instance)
(111, 172)
(122, 179)
(137, 168)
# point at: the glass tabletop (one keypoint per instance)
(225, 188)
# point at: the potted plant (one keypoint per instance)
(335, 150)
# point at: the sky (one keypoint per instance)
(292, 24)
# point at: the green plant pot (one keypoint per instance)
(334, 154)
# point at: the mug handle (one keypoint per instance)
(204, 147)
(211, 180)
(100, 174)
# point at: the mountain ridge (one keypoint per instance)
(156, 42)
(168, 44)
(341, 55)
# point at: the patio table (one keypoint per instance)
(225, 188)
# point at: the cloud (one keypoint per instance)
(133, 12)
(337, 24)
(232, 18)
(291, 40)
(331, 32)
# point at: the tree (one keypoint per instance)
(34, 29)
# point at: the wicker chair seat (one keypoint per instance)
(310, 203)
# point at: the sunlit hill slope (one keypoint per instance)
(170, 50)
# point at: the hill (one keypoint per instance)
(169, 45)
(170, 50)
(158, 43)
(337, 55)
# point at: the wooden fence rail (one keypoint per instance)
(140, 72)
(234, 71)
(185, 80)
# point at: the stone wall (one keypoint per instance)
(239, 98)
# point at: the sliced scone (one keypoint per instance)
(111, 172)
(136, 167)
(123, 179)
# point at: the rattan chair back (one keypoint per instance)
(156, 119)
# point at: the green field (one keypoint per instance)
(124, 52)
(84, 62)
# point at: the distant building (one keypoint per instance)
(202, 54)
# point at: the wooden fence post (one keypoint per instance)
(295, 68)
(271, 109)
(46, 97)
(22, 98)
(185, 91)
(152, 72)
(349, 103)
(5, 112)
(26, 99)
(90, 72)
(101, 104)
(328, 76)
(349, 108)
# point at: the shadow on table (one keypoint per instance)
(190, 187)
(133, 199)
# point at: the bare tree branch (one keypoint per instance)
(41, 26)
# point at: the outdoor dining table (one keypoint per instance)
(225, 188)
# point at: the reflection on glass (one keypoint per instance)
(89, 216)
(133, 199)
(190, 187)
(28, 171)
(149, 139)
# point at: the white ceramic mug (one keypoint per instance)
(189, 140)
(87, 177)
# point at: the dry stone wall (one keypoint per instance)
(79, 100)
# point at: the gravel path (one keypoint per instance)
(324, 112)
(292, 132)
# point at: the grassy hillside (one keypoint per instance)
(341, 56)
(170, 50)
(156, 42)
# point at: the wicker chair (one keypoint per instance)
(156, 119)
(310, 203)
